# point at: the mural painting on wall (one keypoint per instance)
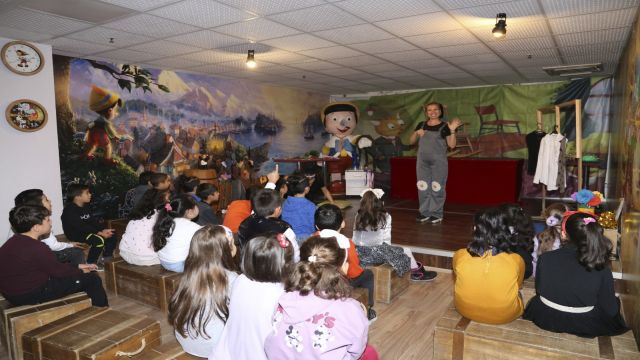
(169, 121)
(391, 119)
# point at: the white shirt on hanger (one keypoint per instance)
(547, 168)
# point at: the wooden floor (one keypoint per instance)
(404, 329)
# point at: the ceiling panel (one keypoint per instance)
(13, 33)
(76, 46)
(402, 56)
(333, 52)
(590, 22)
(103, 35)
(266, 7)
(315, 65)
(150, 25)
(28, 20)
(384, 46)
(449, 75)
(517, 12)
(421, 24)
(376, 10)
(299, 42)
(564, 8)
(457, 4)
(202, 13)
(420, 65)
(482, 67)
(174, 63)
(206, 39)
(132, 56)
(472, 59)
(444, 38)
(140, 5)
(520, 45)
(593, 37)
(212, 56)
(165, 48)
(257, 29)
(317, 18)
(358, 61)
(452, 51)
(354, 34)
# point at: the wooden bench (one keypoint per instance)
(456, 337)
(147, 284)
(387, 283)
(92, 333)
(18, 320)
(169, 351)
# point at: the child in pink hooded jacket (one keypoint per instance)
(316, 318)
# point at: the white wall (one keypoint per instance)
(29, 160)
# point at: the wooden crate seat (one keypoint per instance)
(17, 320)
(456, 337)
(362, 295)
(92, 333)
(388, 285)
(147, 284)
(169, 351)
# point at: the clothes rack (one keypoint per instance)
(555, 109)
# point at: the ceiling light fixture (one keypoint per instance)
(573, 70)
(251, 61)
(500, 30)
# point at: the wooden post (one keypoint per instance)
(579, 140)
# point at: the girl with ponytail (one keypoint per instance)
(173, 231)
(316, 318)
(574, 286)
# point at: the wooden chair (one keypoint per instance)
(496, 125)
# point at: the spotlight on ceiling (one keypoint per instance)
(500, 30)
(251, 61)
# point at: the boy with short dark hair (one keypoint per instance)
(329, 217)
(79, 226)
(297, 210)
(206, 195)
(70, 252)
(266, 204)
(31, 274)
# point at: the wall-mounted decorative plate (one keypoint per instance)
(26, 115)
(22, 58)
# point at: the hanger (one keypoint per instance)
(539, 128)
(555, 129)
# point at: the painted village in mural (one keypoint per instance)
(171, 121)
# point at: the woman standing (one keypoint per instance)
(433, 137)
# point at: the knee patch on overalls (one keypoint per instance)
(422, 185)
(435, 186)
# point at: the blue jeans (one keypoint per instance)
(175, 267)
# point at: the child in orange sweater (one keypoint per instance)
(329, 221)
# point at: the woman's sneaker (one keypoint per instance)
(421, 218)
(433, 220)
(371, 315)
(422, 275)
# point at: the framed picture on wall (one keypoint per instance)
(22, 58)
(26, 115)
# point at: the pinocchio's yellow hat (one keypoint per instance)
(101, 99)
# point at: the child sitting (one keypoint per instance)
(206, 195)
(238, 210)
(136, 245)
(160, 181)
(372, 236)
(574, 285)
(521, 228)
(173, 231)
(70, 252)
(316, 318)
(329, 221)
(133, 195)
(30, 273)
(266, 204)
(199, 308)
(549, 238)
(79, 226)
(487, 275)
(254, 298)
(297, 210)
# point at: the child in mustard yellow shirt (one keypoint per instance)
(487, 276)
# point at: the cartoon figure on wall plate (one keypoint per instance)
(340, 120)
